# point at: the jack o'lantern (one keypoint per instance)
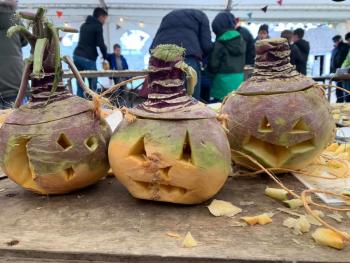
(175, 151)
(56, 143)
(278, 116)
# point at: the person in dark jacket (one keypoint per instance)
(304, 48)
(11, 60)
(250, 43)
(339, 54)
(227, 59)
(295, 54)
(91, 37)
(188, 28)
(117, 61)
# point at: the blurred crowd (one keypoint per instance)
(219, 64)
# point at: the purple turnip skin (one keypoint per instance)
(278, 116)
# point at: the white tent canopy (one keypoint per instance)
(290, 10)
(133, 23)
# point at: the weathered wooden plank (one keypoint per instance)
(104, 223)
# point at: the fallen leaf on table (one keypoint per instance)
(223, 208)
(312, 220)
(294, 203)
(276, 193)
(189, 241)
(173, 234)
(299, 226)
(336, 216)
(260, 219)
(328, 237)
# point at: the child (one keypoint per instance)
(226, 62)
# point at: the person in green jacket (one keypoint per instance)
(346, 64)
(226, 62)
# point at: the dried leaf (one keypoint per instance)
(336, 216)
(223, 208)
(276, 193)
(260, 219)
(294, 203)
(173, 234)
(328, 237)
(299, 226)
(312, 220)
(189, 241)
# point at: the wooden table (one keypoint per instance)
(103, 223)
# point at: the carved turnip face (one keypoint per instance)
(57, 142)
(280, 131)
(278, 117)
(175, 151)
(172, 161)
(54, 153)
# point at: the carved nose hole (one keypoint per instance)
(187, 151)
(265, 125)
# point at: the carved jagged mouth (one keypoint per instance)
(161, 188)
(276, 155)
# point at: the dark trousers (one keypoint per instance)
(85, 64)
(342, 96)
(6, 103)
(195, 64)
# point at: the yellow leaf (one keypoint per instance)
(276, 193)
(189, 241)
(328, 237)
(223, 208)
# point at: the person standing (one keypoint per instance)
(250, 43)
(339, 54)
(117, 62)
(187, 28)
(91, 37)
(263, 32)
(304, 48)
(295, 54)
(226, 62)
(346, 65)
(11, 59)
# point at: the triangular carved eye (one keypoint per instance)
(139, 148)
(300, 127)
(265, 125)
(187, 151)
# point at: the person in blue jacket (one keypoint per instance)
(117, 62)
